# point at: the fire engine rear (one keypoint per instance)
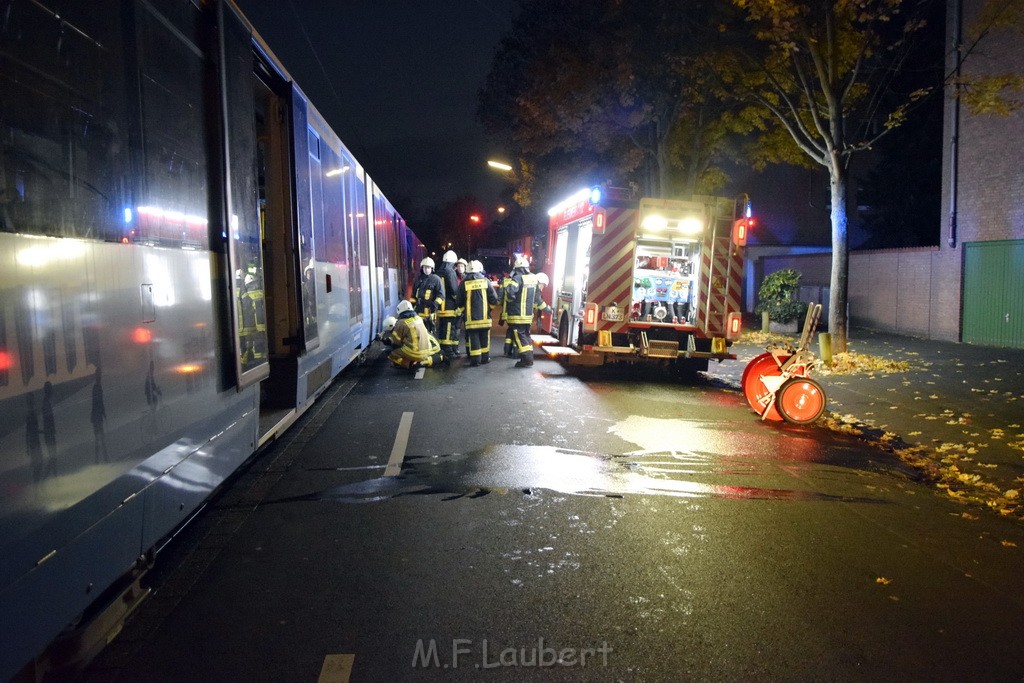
(648, 280)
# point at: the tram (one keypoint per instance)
(188, 256)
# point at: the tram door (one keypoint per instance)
(273, 175)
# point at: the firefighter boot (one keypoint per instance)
(525, 360)
(485, 358)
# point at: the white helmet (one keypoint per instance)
(449, 257)
(427, 262)
(475, 267)
(403, 306)
(521, 261)
(389, 323)
(542, 278)
(462, 262)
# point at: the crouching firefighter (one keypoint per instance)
(522, 297)
(476, 296)
(413, 345)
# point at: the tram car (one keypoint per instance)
(188, 256)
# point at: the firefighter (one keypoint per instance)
(413, 345)
(510, 347)
(476, 296)
(542, 282)
(427, 293)
(460, 269)
(252, 332)
(522, 298)
(447, 317)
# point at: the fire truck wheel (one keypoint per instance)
(800, 400)
(754, 389)
(563, 330)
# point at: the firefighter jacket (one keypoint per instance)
(522, 298)
(505, 284)
(411, 338)
(427, 294)
(476, 296)
(451, 288)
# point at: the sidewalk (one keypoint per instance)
(957, 413)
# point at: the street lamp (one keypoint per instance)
(475, 219)
(500, 165)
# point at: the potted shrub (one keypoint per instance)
(776, 299)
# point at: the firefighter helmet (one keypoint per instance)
(403, 306)
(427, 262)
(475, 267)
(462, 262)
(389, 323)
(449, 257)
(521, 261)
(542, 278)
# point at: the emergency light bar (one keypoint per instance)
(576, 198)
(688, 225)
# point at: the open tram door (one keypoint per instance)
(282, 144)
(265, 249)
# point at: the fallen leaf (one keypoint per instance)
(1008, 544)
(882, 580)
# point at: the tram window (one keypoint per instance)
(63, 125)
(355, 216)
(174, 205)
(333, 240)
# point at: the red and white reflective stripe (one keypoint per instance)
(721, 285)
(611, 265)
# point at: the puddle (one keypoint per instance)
(522, 469)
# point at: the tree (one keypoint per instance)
(993, 92)
(609, 90)
(824, 70)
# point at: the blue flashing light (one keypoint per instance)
(127, 215)
(595, 194)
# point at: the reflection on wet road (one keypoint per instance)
(666, 473)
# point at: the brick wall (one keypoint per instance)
(908, 291)
(990, 181)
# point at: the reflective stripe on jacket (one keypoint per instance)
(522, 299)
(427, 294)
(410, 336)
(476, 296)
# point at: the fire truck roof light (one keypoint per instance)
(691, 225)
(595, 194)
(655, 222)
(574, 199)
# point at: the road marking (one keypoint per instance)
(398, 450)
(336, 669)
(419, 373)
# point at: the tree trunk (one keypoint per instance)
(837, 322)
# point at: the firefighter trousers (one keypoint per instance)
(521, 339)
(448, 333)
(478, 345)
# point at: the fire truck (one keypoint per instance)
(645, 280)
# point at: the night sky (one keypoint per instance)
(398, 82)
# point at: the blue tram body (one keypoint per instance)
(188, 256)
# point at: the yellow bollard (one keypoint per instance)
(764, 322)
(825, 347)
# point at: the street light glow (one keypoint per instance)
(501, 166)
(475, 218)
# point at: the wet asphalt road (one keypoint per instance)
(655, 531)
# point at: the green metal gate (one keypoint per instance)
(993, 308)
